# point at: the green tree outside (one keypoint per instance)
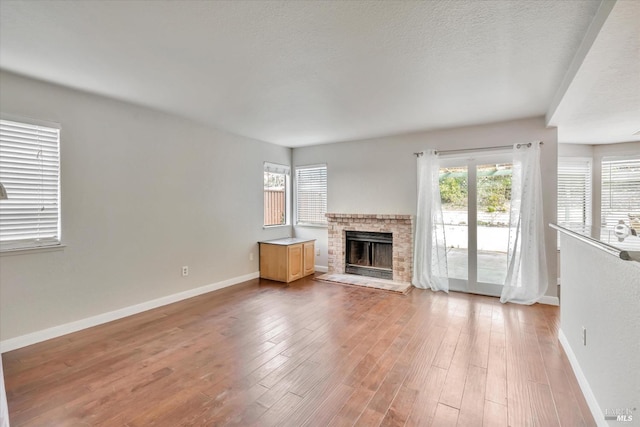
(494, 192)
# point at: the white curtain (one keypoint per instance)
(429, 254)
(527, 278)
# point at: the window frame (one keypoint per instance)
(276, 168)
(52, 239)
(324, 223)
(576, 162)
(634, 159)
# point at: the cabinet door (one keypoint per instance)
(295, 262)
(309, 258)
(273, 262)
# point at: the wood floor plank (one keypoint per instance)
(447, 348)
(570, 402)
(352, 408)
(543, 408)
(445, 416)
(535, 364)
(518, 399)
(426, 403)
(373, 360)
(348, 354)
(481, 330)
(577, 393)
(567, 405)
(306, 353)
(497, 370)
(423, 362)
(494, 414)
(296, 381)
(400, 408)
(457, 373)
(401, 356)
(328, 409)
(278, 413)
(369, 417)
(473, 397)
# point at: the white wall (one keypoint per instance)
(379, 175)
(575, 150)
(143, 193)
(601, 293)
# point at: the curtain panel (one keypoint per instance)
(430, 259)
(527, 278)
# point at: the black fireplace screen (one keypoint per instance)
(369, 254)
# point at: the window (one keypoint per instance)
(30, 172)
(620, 190)
(311, 195)
(574, 191)
(276, 184)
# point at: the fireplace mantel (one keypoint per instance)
(400, 226)
(377, 217)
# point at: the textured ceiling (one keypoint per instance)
(602, 103)
(299, 73)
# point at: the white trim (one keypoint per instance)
(269, 227)
(313, 166)
(305, 225)
(277, 168)
(322, 268)
(67, 328)
(30, 121)
(296, 223)
(546, 299)
(33, 250)
(596, 412)
(30, 167)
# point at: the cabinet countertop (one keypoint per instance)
(287, 241)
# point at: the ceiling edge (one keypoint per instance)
(606, 6)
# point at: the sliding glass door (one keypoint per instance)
(476, 193)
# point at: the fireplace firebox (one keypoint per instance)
(369, 254)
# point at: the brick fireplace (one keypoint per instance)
(400, 226)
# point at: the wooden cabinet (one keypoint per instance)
(309, 252)
(286, 260)
(295, 261)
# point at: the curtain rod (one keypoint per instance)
(464, 150)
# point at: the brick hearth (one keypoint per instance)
(401, 227)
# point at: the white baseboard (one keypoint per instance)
(598, 416)
(67, 328)
(322, 268)
(549, 300)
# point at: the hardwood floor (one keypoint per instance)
(304, 354)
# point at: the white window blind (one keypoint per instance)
(620, 190)
(311, 195)
(30, 172)
(574, 191)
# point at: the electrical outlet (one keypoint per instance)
(250, 256)
(584, 336)
(317, 252)
(185, 271)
